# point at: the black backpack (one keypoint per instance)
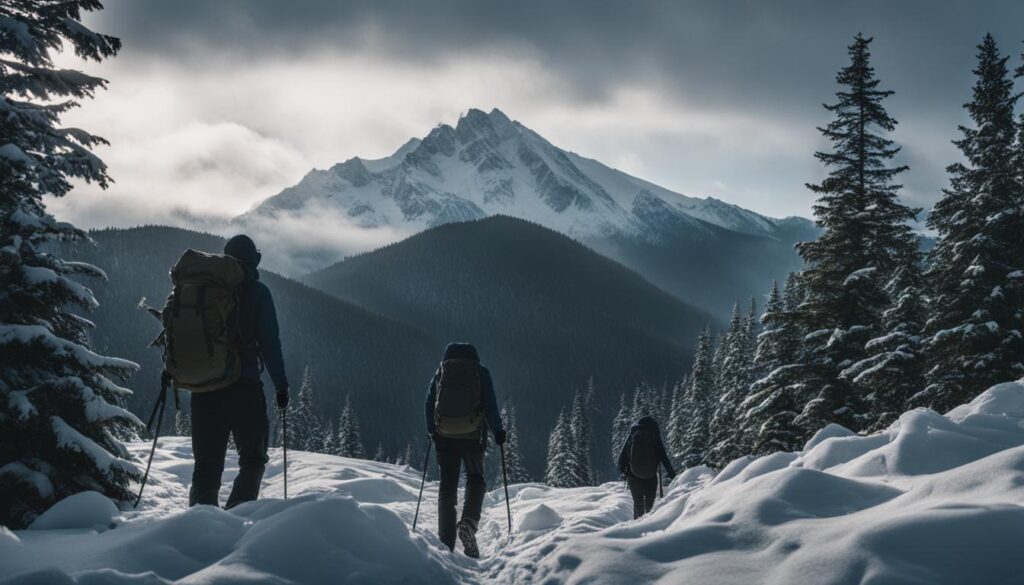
(643, 453)
(459, 408)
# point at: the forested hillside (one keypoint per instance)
(546, 312)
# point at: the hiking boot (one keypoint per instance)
(467, 534)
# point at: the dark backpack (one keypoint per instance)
(201, 337)
(643, 453)
(459, 406)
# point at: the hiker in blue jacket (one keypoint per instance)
(460, 408)
(240, 409)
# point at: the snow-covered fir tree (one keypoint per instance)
(379, 455)
(410, 457)
(976, 269)
(560, 457)
(698, 401)
(183, 421)
(331, 444)
(60, 408)
(582, 441)
(865, 235)
(305, 432)
(678, 418)
(734, 378)
(894, 369)
(766, 415)
(620, 427)
(349, 441)
(513, 455)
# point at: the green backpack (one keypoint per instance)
(201, 340)
(459, 409)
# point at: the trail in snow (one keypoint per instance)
(933, 500)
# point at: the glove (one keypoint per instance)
(500, 436)
(282, 398)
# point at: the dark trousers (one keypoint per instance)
(240, 410)
(451, 454)
(643, 491)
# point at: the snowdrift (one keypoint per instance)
(932, 500)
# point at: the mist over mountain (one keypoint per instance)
(702, 250)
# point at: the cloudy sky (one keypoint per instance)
(213, 106)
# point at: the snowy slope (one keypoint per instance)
(488, 164)
(933, 500)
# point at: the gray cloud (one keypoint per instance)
(709, 98)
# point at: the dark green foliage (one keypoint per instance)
(546, 312)
(894, 369)
(698, 404)
(735, 375)
(975, 269)
(61, 418)
(865, 237)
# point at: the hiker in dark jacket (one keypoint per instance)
(459, 410)
(638, 464)
(240, 409)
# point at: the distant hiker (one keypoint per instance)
(460, 407)
(638, 463)
(220, 326)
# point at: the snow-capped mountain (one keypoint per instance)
(488, 164)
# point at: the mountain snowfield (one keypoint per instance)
(932, 500)
(488, 165)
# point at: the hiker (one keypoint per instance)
(239, 409)
(638, 464)
(460, 408)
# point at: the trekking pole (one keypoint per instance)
(158, 414)
(661, 486)
(284, 446)
(426, 462)
(504, 477)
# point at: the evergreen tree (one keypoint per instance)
(582, 436)
(734, 379)
(60, 409)
(620, 427)
(331, 444)
(513, 456)
(183, 422)
(894, 370)
(349, 441)
(679, 417)
(560, 454)
(866, 235)
(379, 455)
(795, 293)
(699, 398)
(410, 456)
(766, 413)
(305, 433)
(976, 269)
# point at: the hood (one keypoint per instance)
(645, 422)
(461, 351)
(243, 249)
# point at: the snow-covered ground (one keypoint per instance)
(932, 500)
